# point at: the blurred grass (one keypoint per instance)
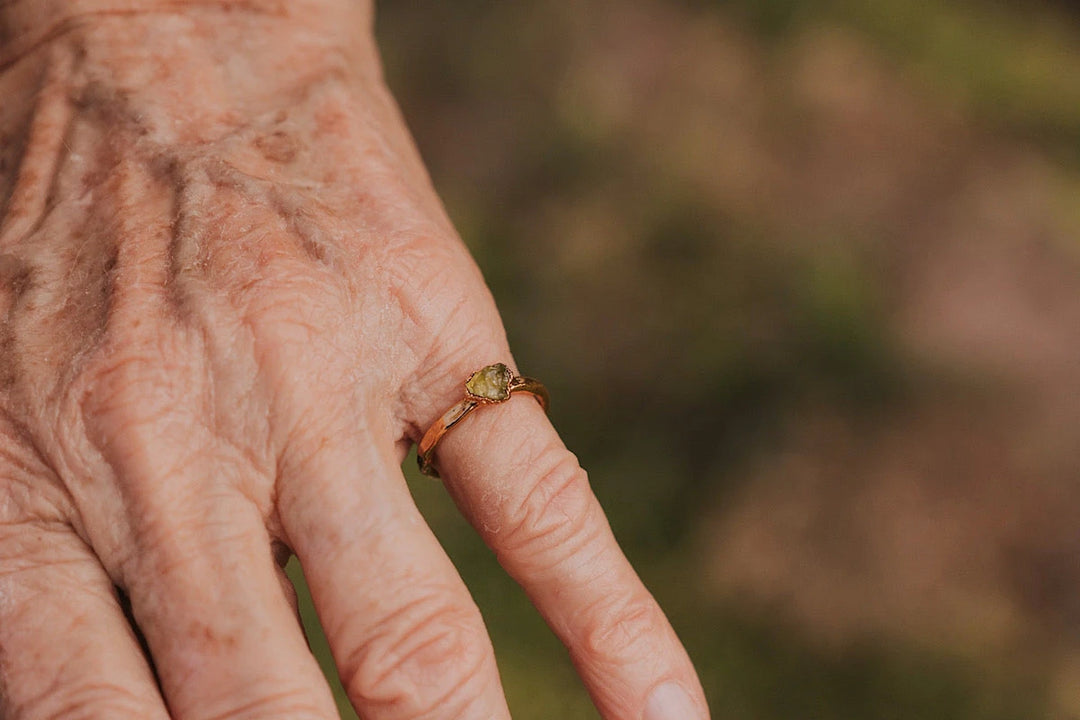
(679, 332)
(1005, 62)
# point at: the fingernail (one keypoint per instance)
(670, 702)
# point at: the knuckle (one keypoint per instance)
(291, 703)
(142, 411)
(422, 657)
(29, 546)
(111, 380)
(83, 701)
(616, 630)
(303, 329)
(437, 287)
(31, 492)
(555, 516)
(132, 386)
(295, 296)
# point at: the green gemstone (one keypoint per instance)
(490, 383)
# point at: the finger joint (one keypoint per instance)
(555, 517)
(423, 656)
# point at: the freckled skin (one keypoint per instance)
(229, 302)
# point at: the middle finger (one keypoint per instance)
(408, 640)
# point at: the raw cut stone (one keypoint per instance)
(490, 383)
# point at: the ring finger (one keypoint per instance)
(527, 496)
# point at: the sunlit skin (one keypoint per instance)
(230, 303)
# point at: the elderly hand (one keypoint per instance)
(230, 302)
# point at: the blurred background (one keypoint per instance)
(803, 278)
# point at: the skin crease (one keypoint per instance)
(229, 303)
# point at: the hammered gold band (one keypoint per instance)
(487, 386)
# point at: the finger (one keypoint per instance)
(66, 649)
(205, 589)
(407, 638)
(526, 494)
(197, 563)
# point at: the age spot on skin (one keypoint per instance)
(16, 277)
(278, 146)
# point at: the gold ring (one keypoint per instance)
(489, 385)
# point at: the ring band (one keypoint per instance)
(487, 386)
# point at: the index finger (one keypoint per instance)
(525, 493)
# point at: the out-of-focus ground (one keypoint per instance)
(804, 281)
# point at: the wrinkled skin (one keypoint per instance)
(229, 303)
